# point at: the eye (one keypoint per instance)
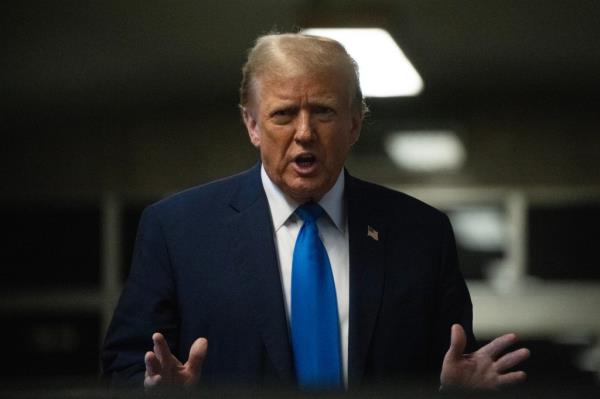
(283, 115)
(281, 112)
(323, 112)
(322, 109)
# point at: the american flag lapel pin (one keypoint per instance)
(371, 232)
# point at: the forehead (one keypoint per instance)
(331, 84)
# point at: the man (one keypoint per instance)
(214, 295)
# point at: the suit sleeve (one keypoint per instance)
(147, 305)
(454, 301)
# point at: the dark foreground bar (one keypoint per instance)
(551, 390)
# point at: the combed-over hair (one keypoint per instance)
(298, 53)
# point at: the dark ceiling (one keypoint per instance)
(125, 55)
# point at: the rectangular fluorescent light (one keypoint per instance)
(384, 69)
(426, 151)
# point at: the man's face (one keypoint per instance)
(304, 127)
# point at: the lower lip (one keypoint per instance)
(305, 169)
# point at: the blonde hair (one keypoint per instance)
(298, 53)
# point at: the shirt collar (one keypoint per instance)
(282, 207)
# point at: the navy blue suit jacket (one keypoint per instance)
(205, 265)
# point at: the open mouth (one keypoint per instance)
(305, 160)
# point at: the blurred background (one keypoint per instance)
(107, 106)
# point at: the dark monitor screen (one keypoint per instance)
(49, 245)
(563, 241)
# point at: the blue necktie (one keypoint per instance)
(315, 325)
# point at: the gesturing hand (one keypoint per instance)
(163, 368)
(482, 369)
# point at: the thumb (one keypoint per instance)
(197, 355)
(458, 342)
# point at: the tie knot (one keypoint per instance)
(310, 211)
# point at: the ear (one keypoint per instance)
(251, 126)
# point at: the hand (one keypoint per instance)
(163, 368)
(483, 369)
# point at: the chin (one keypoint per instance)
(304, 193)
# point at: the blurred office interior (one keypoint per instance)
(107, 106)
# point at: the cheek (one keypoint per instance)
(338, 149)
(274, 148)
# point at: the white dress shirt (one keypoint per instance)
(333, 230)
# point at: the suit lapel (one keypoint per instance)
(254, 251)
(366, 242)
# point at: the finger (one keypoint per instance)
(511, 359)
(152, 381)
(511, 378)
(197, 355)
(153, 365)
(499, 345)
(458, 342)
(161, 349)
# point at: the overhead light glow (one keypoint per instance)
(384, 69)
(426, 151)
(480, 228)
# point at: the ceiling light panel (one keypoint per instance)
(384, 69)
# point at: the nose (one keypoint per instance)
(304, 128)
